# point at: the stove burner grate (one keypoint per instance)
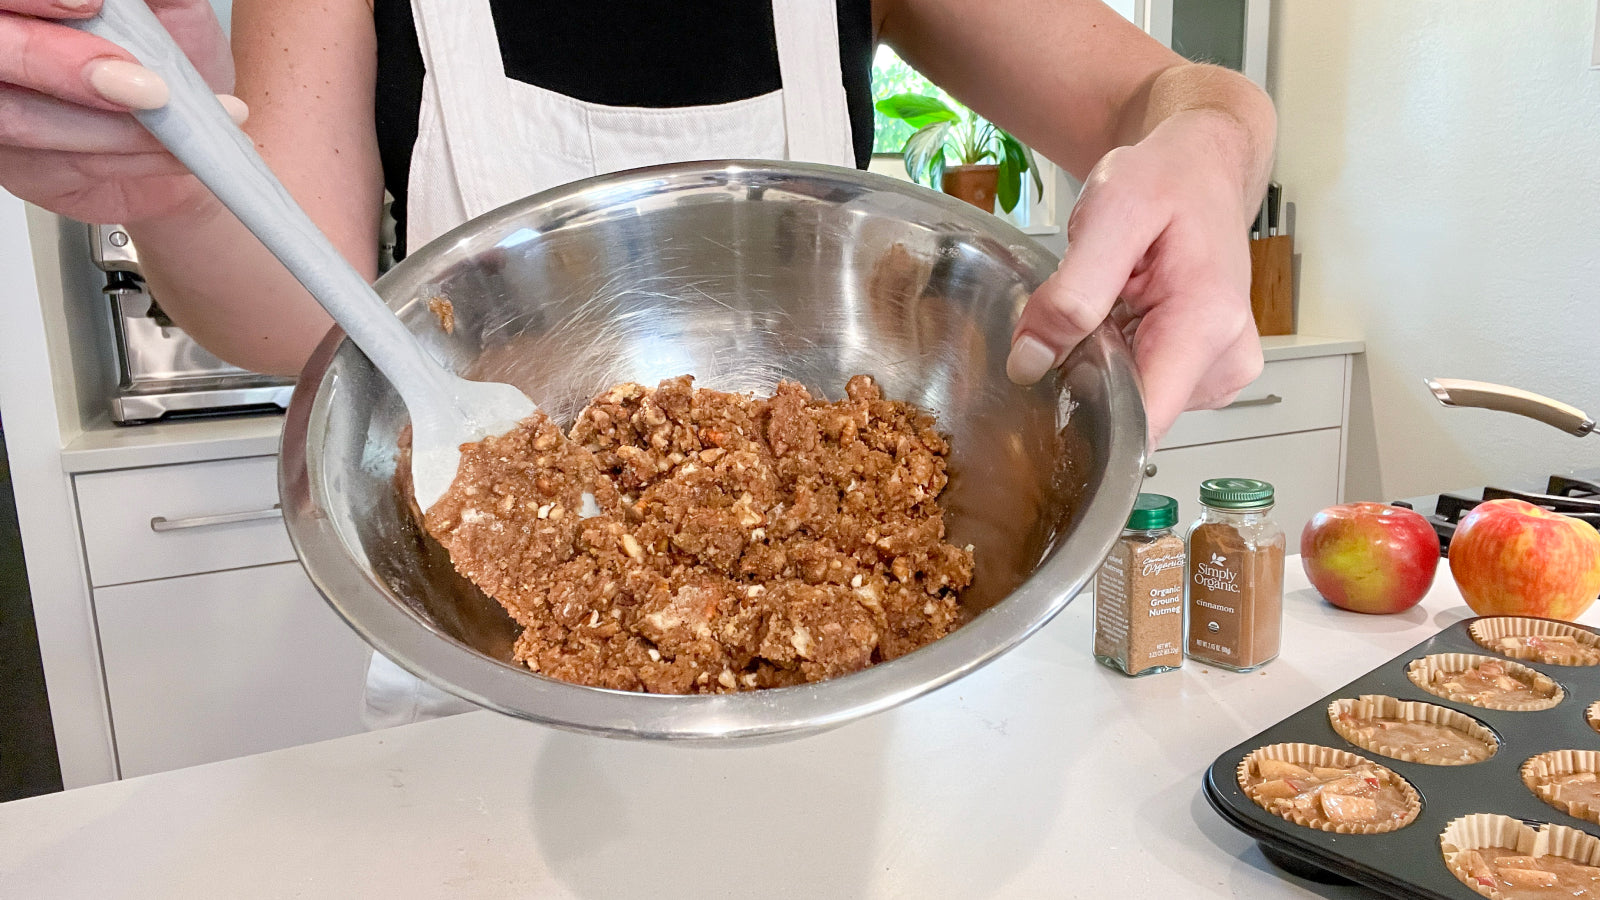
(1570, 496)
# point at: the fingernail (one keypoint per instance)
(126, 84)
(75, 5)
(1029, 360)
(238, 111)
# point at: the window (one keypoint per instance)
(892, 75)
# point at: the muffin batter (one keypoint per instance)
(1339, 795)
(1573, 787)
(741, 543)
(1552, 649)
(1515, 876)
(1488, 682)
(1426, 742)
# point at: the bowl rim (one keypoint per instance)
(392, 628)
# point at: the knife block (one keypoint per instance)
(1272, 284)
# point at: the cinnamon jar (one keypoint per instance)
(1235, 576)
(1138, 593)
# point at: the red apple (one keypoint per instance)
(1370, 557)
(1510, 557)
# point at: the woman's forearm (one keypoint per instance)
(1231, 113)
(221, 285)
(307, 69)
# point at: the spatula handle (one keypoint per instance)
(197, 130)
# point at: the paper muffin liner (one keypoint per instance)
(1318, 755)
(1483, 830)
(1422, 670)
(1562, 762)
(1488, 632)
(1379, 706)
(1592, 715)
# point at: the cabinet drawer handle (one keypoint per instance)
(1268, 400)
(162, 523)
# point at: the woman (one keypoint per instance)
(459, 106)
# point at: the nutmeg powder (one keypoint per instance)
(1138, 603)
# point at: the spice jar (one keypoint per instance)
(1138, 594)
(1235, 581)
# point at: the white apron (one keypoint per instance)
(485, 140)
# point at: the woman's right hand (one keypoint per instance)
(67, 142)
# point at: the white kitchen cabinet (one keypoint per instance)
(161, 521)
(1288, 428)
(1302, 466)
(207, 667)
(213, 642)
(1290, 395)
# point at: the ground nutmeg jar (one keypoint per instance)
(1235, 582)
(1138, 593)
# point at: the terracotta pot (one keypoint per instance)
(974, 184)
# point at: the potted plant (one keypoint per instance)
(989, 162)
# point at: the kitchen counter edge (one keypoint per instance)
(105, 446)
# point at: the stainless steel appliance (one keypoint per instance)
(162, 371)
(740, 273)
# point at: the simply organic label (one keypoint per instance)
(1216, 575)
(1214, 623)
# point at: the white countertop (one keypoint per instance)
(103, 445)
(1043, 775)
(1297, 346)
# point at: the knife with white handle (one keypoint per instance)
(1456, 392)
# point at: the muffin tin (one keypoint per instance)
(1408, 862)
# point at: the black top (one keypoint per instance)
(666, 53)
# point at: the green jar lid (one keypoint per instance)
(1153, 511)
(1235, 493)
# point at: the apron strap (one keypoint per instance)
(816, 114)
(461, 51)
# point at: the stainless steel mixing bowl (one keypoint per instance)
(742, 274)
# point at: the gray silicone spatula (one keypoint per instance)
(446, 410)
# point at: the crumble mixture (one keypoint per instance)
(741, 542)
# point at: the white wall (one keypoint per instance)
(1444, 158)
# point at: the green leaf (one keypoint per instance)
(924, 150)
(1016, 159)
(916, 110)
(983, 143)
(1033, 166)
(1009, 188)
(1012, 165)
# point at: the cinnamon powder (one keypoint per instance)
(1235, 597)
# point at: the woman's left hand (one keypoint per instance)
(1162, 226)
